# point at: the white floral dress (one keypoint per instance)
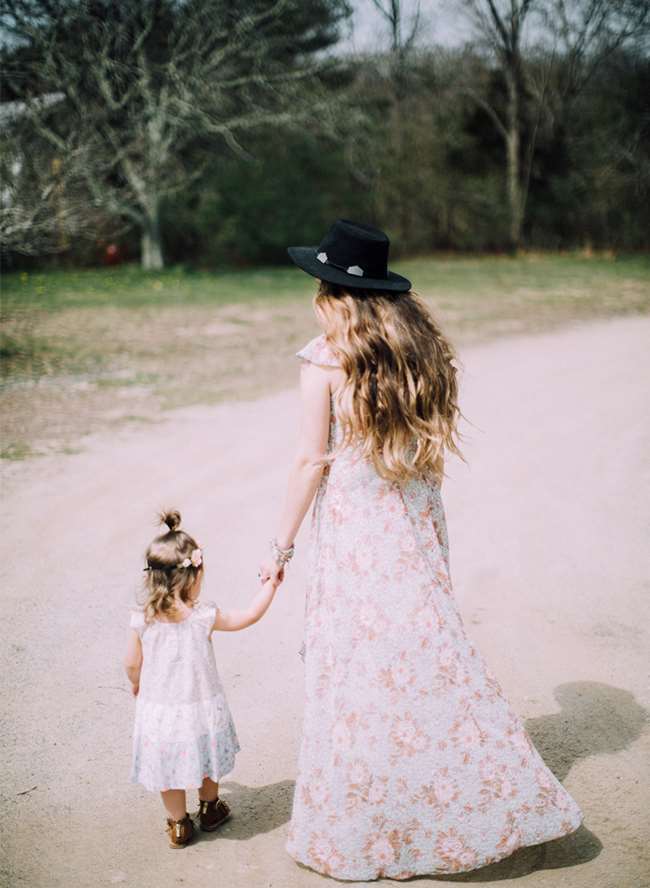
(183, 727)
(412, 760)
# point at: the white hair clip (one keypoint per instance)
(195, 559)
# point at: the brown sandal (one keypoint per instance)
(180, 832)
(212, 814)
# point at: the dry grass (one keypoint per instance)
(120, 347)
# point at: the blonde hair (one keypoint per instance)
(399, 400)
(165, 582)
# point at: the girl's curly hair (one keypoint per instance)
(165, 582)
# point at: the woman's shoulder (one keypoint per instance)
(319, 351)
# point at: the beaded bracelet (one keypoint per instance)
(282, 556)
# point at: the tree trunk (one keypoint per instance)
(151, 244)
(515, 203)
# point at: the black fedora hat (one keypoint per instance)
(353, 255)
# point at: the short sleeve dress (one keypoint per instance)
(183, 726)
(412, 760)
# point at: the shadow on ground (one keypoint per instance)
(594, 718)
(256, 809)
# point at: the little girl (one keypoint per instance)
(184, 736)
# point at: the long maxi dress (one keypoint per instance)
(412, 760)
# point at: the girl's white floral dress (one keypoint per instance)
(183, 727)
(412, 760)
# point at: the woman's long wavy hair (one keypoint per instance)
(399, 400)
(165, 583)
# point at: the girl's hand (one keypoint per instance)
(135, 689)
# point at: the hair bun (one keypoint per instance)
(172, 518)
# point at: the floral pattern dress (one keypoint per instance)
(412, 760)
(183, 727)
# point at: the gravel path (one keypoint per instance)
(549, 527)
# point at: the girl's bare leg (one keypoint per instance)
(175, 802)
(209, 790)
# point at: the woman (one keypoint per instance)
(412, 761)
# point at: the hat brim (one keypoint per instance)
(305, 258)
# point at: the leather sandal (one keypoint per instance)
(180, 832)
(212, 814)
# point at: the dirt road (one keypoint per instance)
(549, 527)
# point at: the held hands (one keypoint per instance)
(273, 568)
(269, 570)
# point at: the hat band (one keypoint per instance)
(356, 270)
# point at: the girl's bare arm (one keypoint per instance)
(233, 620)
(133, 660)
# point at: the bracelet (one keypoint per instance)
(282, 556)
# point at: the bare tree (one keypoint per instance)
(382, 146)
(499, 24)
(32, 219)
(585, 32)
(572, 39)
(145, 80)
(402, 36)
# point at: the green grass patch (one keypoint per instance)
(128, 286)
(121, 380)
(14, 347)
(135, 418)
(17, 450)
(25, 355)
(554, 275)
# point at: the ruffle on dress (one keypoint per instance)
(176, 747)
(319, 351)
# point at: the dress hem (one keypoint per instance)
(186, 788)
(215, 777)
(434, 872)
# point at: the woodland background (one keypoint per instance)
(212, 133)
